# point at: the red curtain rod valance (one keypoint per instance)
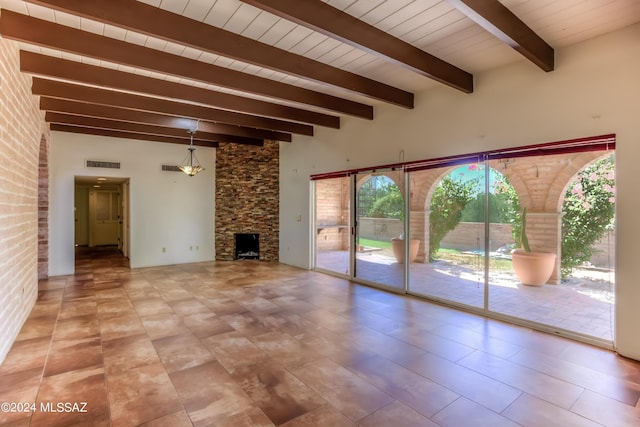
(592, 143)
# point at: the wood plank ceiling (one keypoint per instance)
(243, 71)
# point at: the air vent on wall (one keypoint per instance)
(98, 164)
(170, 168)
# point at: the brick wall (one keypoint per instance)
(332, 214)
(43, 209)
(247, 197)
(468, 236)
(22, 128)
(383, 229)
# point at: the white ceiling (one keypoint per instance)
(431, 25)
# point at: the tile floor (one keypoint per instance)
(263, 344)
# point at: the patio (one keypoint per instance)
(583, 304)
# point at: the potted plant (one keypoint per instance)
(397, 244)
(532, 268)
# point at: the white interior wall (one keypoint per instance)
(167, 209)
(594, 90)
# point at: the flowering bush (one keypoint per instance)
(588, 213)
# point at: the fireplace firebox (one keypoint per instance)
(247, 246)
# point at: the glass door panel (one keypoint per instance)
(576, 226)
(447, 226)
(379, 216)
(333, 236)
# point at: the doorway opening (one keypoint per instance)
(101, 214)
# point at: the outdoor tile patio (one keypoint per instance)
(584, 304)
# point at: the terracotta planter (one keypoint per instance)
(533, 268)
(398, 249)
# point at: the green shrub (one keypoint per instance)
(448, 201)
(588, 213)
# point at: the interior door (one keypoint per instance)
(104, 216)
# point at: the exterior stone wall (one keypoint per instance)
(383, 229)
(605, 251)
(332, 214)
(22, 131)
(247, 197)
(468, 236)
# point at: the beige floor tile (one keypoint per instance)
(325, 416)
(121, 326)
(123, 354)
(477, 387)
(343, 389)
(208, 393)
(163, 325)
(396, 414)
(464, 412)
(181, 352)
(83, 389)
(206, 324)
(287, 350)
(177, 419)
(233, 350)
(73, 354)
(26, 355)
(530, 410)
(415, 391)
(141, 395)
(277, 392)
(562, 393)
(606, 411)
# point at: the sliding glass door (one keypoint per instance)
(460, 229)
(566, 279)
(447, 230)
(332, 226)
(379, 228)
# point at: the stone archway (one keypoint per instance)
(43, 209)
(540, 182)
(423, 185)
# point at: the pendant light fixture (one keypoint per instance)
(190, 165)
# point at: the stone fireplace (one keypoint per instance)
(247, 198)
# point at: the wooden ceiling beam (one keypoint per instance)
(57, 89)
(323, 18)
(495, 18)
(98, 123)
(127, 135)
(150, 20)
(43, 33)
(144, 117)
(49, 66)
